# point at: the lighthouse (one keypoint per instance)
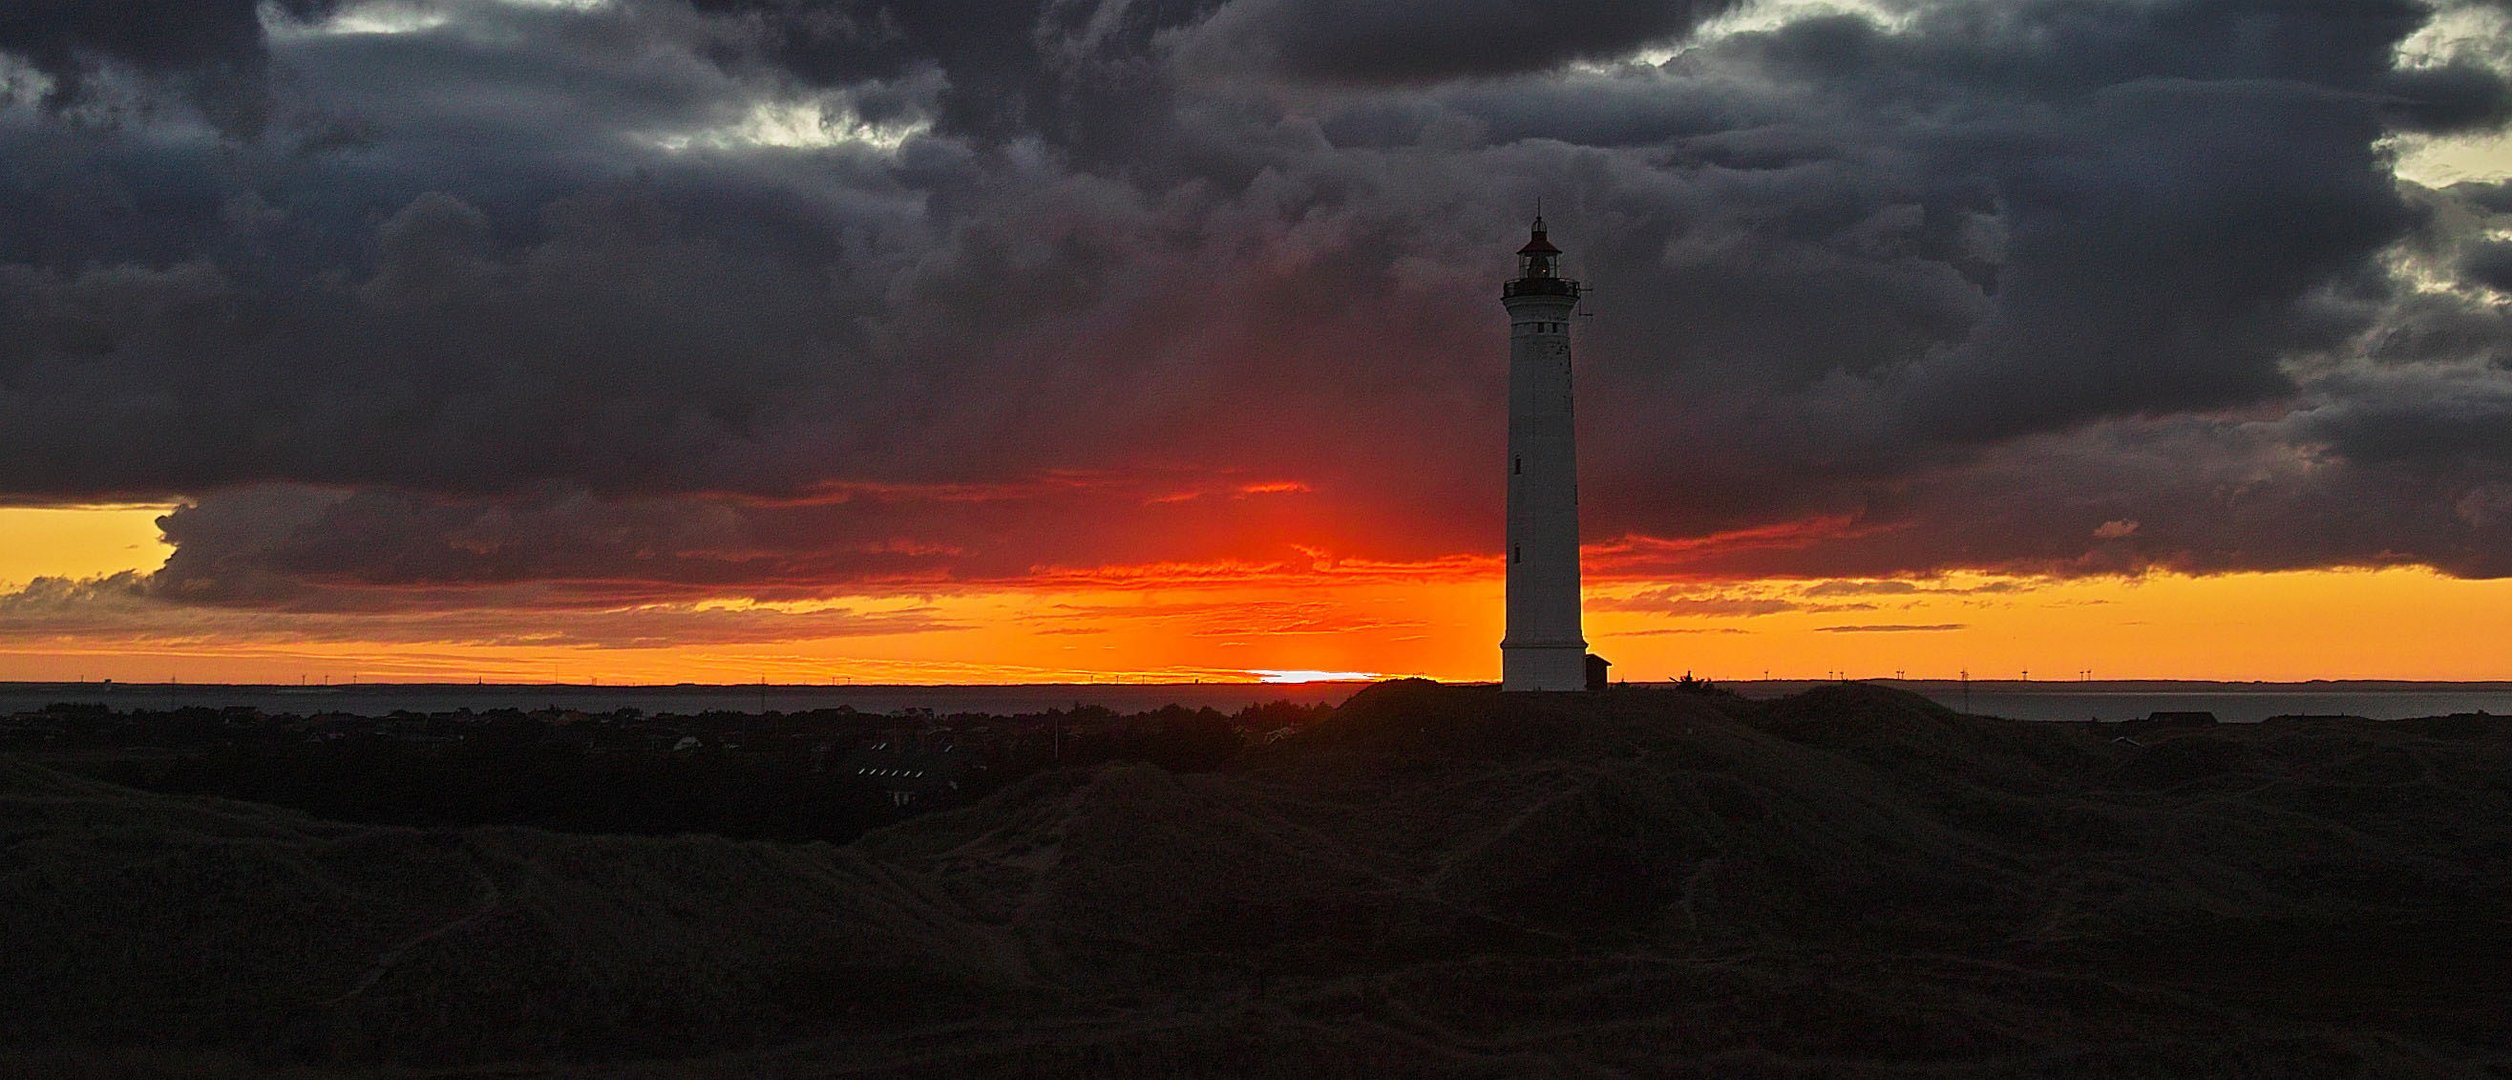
(1543, 648)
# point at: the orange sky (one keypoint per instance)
(1439, 618)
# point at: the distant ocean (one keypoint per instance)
(376, 699)
(2237, 702)
(2240, 702)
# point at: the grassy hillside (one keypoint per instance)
(1851, 882)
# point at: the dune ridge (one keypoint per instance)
(1852, 881)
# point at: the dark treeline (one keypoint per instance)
(820, 775)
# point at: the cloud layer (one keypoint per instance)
(442, 303)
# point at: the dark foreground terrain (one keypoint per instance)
(1851, 882)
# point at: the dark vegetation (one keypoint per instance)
(781, 776)
(1851, 882)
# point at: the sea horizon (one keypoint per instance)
(2097, 699)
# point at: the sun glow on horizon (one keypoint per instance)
(1274, 676)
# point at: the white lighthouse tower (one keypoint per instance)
(1543, 649)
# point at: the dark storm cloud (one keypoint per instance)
(1081, 75)
(2170, 183)
(606, 302)
(2142, 214)
(313, 549)
(2204, 496)
(210, 51)
(1381, 42)
(2433, 418)
(128, 608)
(309, 549)
(2495, 197)
(2490, 265)
(455, 363)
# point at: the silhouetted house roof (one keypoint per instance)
(1598, 673)
(910, 774)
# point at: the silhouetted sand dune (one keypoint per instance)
(1850, 882)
